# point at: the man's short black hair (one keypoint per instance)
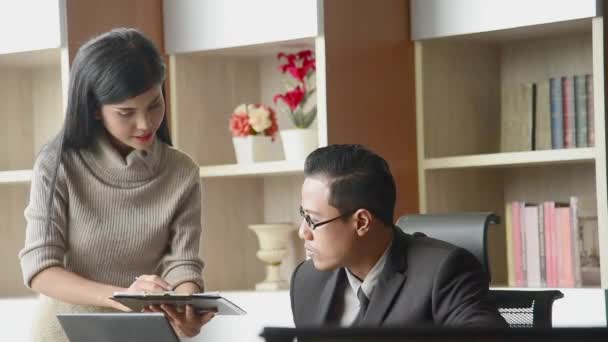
(358, 179)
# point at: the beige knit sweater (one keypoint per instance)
(116, 218)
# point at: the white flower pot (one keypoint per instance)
(256, 148)
(298, 143)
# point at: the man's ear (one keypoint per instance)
(364, 219)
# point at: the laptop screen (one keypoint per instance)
(115, 327)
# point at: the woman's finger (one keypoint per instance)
(147, 286)
(171, 312)
(190, 314)
(155, 308)
(206, 317)
(160, 282)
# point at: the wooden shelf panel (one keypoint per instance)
(528, 158)
(18, 176)
(31, 59)
(273, 168)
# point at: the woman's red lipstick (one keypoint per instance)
(145, 138)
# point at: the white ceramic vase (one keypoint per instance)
(298, 142)
(273, 240)
(256, 148)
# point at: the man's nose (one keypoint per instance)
(304, 232)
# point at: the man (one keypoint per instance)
(362, 270)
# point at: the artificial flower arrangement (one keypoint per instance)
(300, 82)
(253, 119)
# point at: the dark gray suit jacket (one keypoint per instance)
(424, 282)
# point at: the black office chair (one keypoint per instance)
(466, 230)
(520, 308)
(526, 308)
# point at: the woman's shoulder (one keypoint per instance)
(48, 156)
(180, 160)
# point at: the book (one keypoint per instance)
(541, 245)
(208, 301)
(590, 111)
(510, 246)
(550, 244)
(518, 250)
(542, 127)
(569, 115)
(517, 125)
(532, 254)
(580, 110)
(557, 114)
(576, 250)
(564, 243)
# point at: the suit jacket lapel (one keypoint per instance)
(326, 298)
(389, 283)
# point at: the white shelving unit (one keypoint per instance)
(32, 88)
(466, 65)
(216, 65)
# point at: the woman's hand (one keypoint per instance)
(143, 283)
(149, 283)
(186, 323)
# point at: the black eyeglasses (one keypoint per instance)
(314, 226)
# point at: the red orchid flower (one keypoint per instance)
(305, 54)
(292, 98)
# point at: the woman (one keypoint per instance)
(113, 207)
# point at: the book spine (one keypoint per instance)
(567, 247)
(533, 115)
(580, 108)
(532, 246)
(543, 116)
(568, 108)
(510, 246)
(590, 110)
(524, 247)
(557, 118)
(517, 249)
(541, 246)
(576, 250)
(549, 249)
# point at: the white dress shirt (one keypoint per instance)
(351, 305)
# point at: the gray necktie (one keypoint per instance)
(363, 303)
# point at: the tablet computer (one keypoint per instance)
(201, 301)
(117, 327)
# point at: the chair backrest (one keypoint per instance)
(466, 230)
(526, 308)
(520, 308)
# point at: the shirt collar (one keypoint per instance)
(371, 279)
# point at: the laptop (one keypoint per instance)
(117, 327)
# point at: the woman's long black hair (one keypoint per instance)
(108, 69)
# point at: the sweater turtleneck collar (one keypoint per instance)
(137, 167)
